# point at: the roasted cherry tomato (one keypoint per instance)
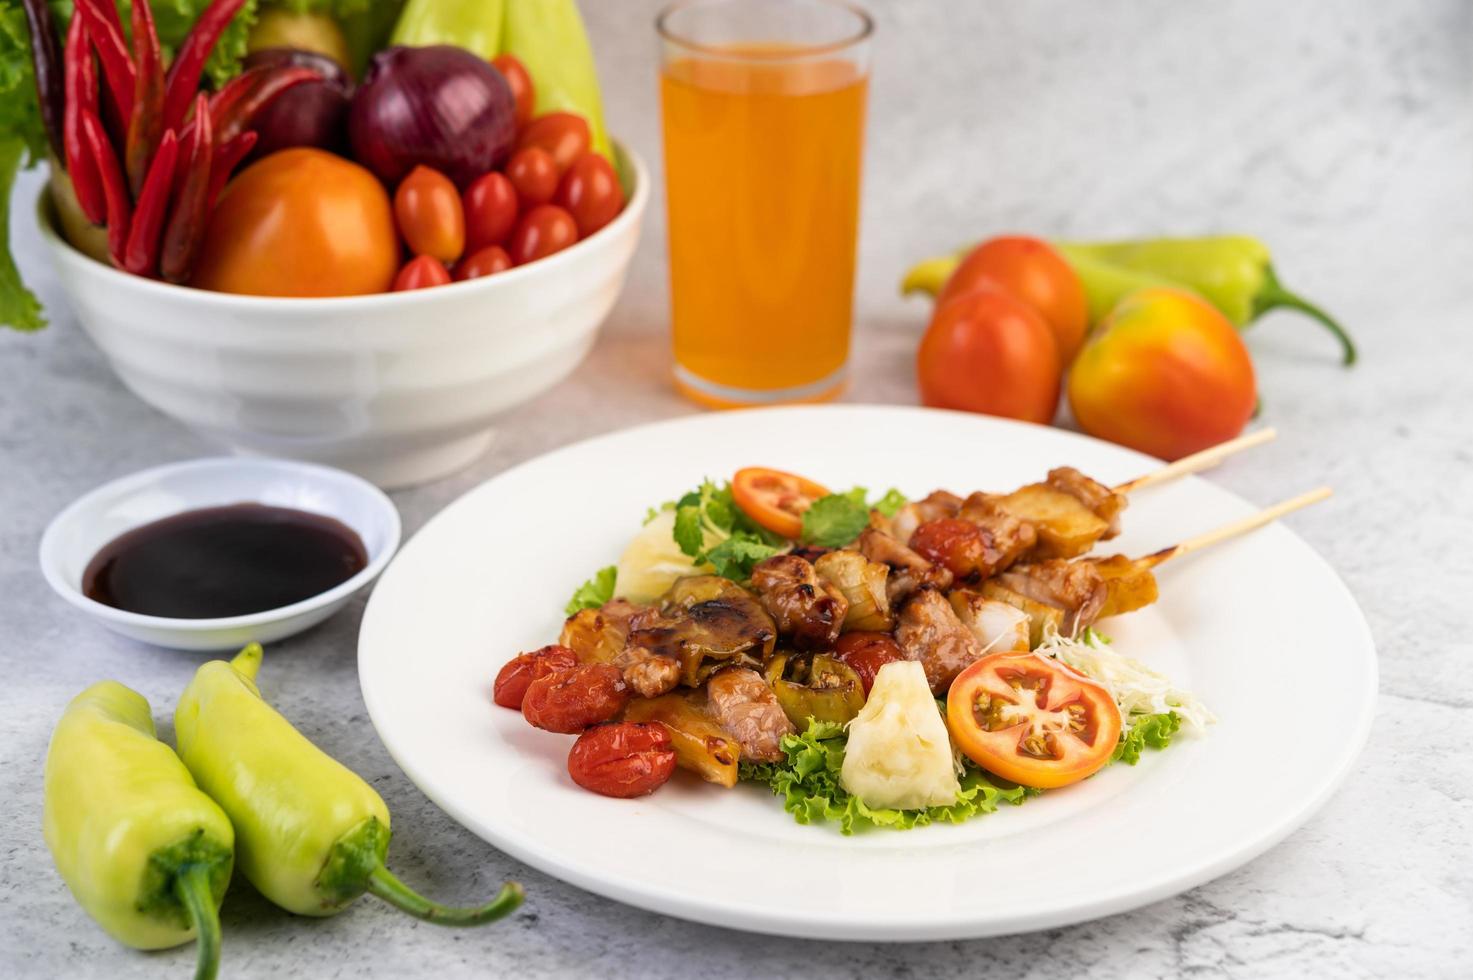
(520, 671)
(421, 272)
(775, 499)
(563, 135)
(1033, 271)
(533, 176)
(987, 351)
(574, 699)
(958, 545)
(866, 652)
(522, 92)
(543, 230)
(1028, 718)
(591, 193)
(427, 209)
(490, 206)
(622, 759)
(483, 262)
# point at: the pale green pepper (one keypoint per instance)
(143, 851)
(548, 38)
(310, 834)
(471, 24)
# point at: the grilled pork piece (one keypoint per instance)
(804, 606)
(909, 572)
(1076, 587)
(650, 674)
(745, 707)
(1009, 537)
(930, 632)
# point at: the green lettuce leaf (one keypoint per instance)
(890, 503)
(595, 592)
(1155, 731)
(808, 782)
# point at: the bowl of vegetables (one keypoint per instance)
(357, 259)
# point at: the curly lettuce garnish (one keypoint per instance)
(593, 593)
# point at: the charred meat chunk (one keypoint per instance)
(805, 607)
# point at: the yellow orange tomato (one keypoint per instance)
(301, 222)
(1164, 373)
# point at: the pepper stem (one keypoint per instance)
(248, 661)
(1273, 296)
(192, 886)
(381, 882)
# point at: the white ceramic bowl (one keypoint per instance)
(76, 534)
(400, 388)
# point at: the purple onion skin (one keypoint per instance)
(440, 106)
(309, 114)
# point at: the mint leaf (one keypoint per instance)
(595, 592)
(890, 503)
(835, 520)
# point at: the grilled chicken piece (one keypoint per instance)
(650, 674)
(1075, 587)
(940, 503)
(746, 709)
(996, 625)
(909, 572)
(1105, 503)
(863, 583)
(804, 606)
(930, 632)
(705, 622)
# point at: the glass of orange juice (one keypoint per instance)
(763, 104)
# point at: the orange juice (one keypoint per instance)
(762, 167)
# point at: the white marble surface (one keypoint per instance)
(1340, 132)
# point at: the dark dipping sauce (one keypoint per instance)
(224, 561)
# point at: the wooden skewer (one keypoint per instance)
(1197, 462)
(1232, 530)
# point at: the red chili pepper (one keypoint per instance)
(235, 106)
(227, 158)
(81, 95)
(106, 32)
(190, 61)
(141, 255)
(186, 225)
(146, 125)
(119, 207)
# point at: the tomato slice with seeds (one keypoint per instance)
(775, 499)
(1030, 719)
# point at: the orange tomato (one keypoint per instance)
(427, 208)
(1030, 719)
(301, 222)
(986, 351)
(774, 499)
(1033, 271)
(1164, 373)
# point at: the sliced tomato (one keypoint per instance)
(1030, 719)
(775, 499)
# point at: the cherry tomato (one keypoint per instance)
(1034, 272)
(300, 222)
(591, 193)
(564, 135)
(427, 207)
(774, 499)
(533, 176)
(543, 230)
(483, 262)
(986, 351)
(1030, 719)
(421, 272)
(574, 699)
(866, 652)
(520, 671)
(490, 206)
(622, 759)
(960, 546)
(516, 76)
(1165, 373)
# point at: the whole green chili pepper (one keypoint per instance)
(549, 39)
(143, 850)
(471, 24)
(1232, 272)
(310, 834)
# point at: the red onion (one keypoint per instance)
(440, 106)
(309, 114)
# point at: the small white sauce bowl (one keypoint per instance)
(76, 534)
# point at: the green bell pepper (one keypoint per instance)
(143, 850)
(471, 24)
(312, 836)
(548, 37)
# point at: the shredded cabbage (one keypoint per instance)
(1137, 689)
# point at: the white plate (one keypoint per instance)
(1260, 628)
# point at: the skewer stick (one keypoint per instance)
(1197, 462)
(1242, 526)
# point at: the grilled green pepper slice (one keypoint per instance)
(310, 834)
(143, 850)
(815, 686)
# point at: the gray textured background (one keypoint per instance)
(1340, 132)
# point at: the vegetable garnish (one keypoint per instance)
(836, 520)
(1155, 731)
(1137, 689)
(710, 513)
(595, 592)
